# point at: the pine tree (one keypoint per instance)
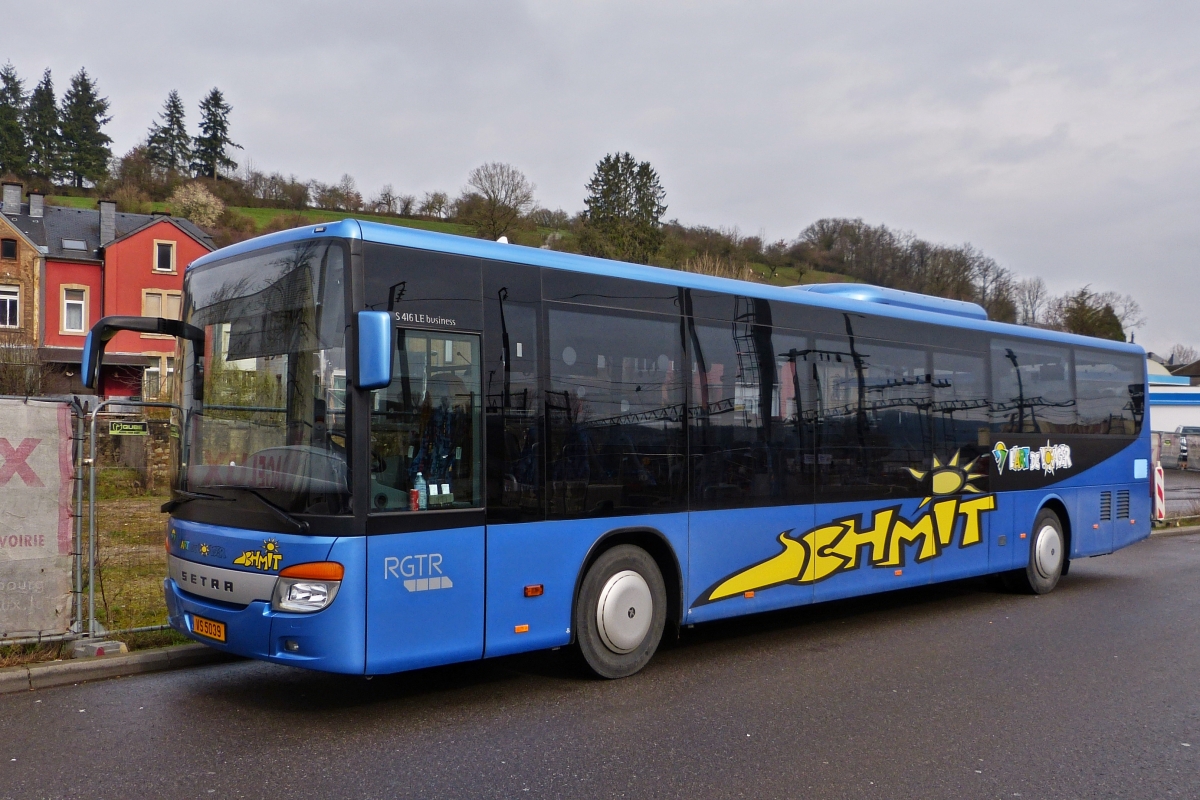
(623, 219)
(85, 147)
(14, 148)
(168, 144)
(210, 150)
(42, 130)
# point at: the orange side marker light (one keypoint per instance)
(749, 594)
(534, 590)
(521, 629)
(899, 572)
(1023, 535)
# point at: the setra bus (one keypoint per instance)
(402, 449)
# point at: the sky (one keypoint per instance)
(1062, 139)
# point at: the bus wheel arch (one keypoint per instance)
(654, 543)
(1055, 504)
(1048, 550)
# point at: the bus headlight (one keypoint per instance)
(297, 594)
(304, 588)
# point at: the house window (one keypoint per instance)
(74, 244)
(8, 248)
(154, 382)
(10, 311)
(161, 304)
(74, 310)
(151, 383)
(164, 256)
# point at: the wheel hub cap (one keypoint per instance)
(1048, 553)
(624, 612)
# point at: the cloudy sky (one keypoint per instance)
(1061, 139)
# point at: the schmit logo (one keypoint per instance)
(420, 573)
(822, 552)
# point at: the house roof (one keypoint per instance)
(32, 227)
(83, 224)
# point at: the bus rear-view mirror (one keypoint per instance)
(374, 349)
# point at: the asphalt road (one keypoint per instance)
(958, 691)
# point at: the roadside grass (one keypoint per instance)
(21, 654)
(131, 560)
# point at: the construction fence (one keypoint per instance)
(81, 527)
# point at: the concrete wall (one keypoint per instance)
(1169, 417)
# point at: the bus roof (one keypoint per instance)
(874, 300)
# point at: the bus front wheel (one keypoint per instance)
(621, 612)
(1047, 556)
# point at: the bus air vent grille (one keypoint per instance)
(1123, 504)
(1105, 506)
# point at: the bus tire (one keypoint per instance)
(621, 612)
(1047, 557)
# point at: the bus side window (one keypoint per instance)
(749, 436)
(1032, 388)
(615, 408)
(873, 399)
(512, 399)
(1111, 393)
(960, 411)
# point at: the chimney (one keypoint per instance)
(108, 222)
(37, 204)
(12, 198)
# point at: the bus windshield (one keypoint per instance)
(272, 420)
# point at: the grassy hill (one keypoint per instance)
(262, 217)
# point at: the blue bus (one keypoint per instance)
(403, 449)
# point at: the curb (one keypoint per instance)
(63, 673)
(1169, 531)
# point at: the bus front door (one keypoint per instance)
(424, 599)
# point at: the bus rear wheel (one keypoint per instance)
(621, 612)
(1047, 557)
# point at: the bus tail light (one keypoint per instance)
(305, 588)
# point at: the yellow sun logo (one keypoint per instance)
(949, 478)
(203, 549)
(272, 546)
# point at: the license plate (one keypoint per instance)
(208, 628)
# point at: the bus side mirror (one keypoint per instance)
(374, 349)
(91, 360)
(104, 330)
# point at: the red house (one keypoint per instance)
(97, 263)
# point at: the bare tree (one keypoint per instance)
(1182, 354)
(505, 194)
(21, 370)
(722, 267)
(385, 201)
(434, 204)
(351, 197)
(1125, 307)
(1032, 297)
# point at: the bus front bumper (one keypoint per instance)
(319, 641)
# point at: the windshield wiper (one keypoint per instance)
(300, 525)
(183, 496)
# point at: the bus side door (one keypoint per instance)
(424, 598)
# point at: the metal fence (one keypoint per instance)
(119, 461)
